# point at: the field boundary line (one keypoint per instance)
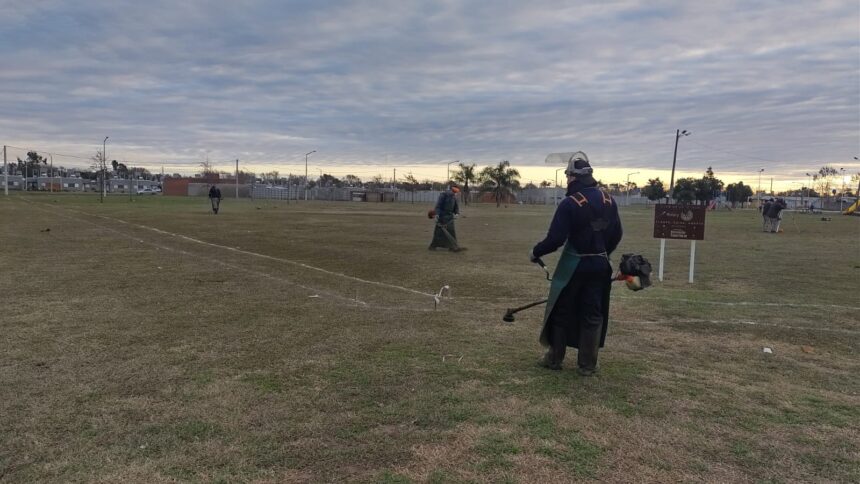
(742, 303)
(740, 323)
(352, 301)
(256, 254)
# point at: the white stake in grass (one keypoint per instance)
(438, 296)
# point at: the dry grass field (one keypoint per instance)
(151, 341)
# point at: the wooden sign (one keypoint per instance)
(685, 222)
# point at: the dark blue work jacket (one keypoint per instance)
(589, 221)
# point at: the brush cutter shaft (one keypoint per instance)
(530, 305)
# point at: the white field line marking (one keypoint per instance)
(263, 256)
(741, 303)
(670, 299)
(745, 323)
(355, 302)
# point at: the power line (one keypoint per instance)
(49, 153)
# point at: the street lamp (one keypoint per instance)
(104, 162)
(808, 188)
(858, 183)
(678, 134)
(842, 195)
(627, 188)
(448, 168)
(306, 173)
(758, 190)
(556, 182)
(800, 191)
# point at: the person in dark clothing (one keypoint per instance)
(447, 209)
(215, 198)
(765, 219)
(774, 212)
(577, 310)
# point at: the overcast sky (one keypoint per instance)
(761, 84)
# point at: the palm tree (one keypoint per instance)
(465, 176)
(499, 180)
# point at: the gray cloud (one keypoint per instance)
(483, 81)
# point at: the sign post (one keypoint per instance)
(686, 222)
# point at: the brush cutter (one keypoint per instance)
(634, 270)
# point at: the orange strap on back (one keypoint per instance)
(579, 199)
(607, 200)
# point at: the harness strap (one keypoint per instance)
(579, 199)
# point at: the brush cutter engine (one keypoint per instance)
(635, 271)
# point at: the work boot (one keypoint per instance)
(583, 371)
(589, 346)
(548, 361)
(558, 347)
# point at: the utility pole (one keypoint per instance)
(104, 167)
(306, 173)
(556, 183)
(6, 173)
(237, 178)
(758, 189)
(678, 134)
(627, 188)
(394, 180)
(52, 172)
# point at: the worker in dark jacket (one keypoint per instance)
(215, 198)
(765, 218)
(774, 212)
(447, 209)
(586, 222)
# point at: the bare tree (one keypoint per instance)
(99, 165)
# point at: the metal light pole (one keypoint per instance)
(758, 190)
(306, 173)
(627, 188)
(448, 169)
(104, 163)
(52, 173)
(556, 183)
(858, 178)
(678, 134)
(842, 195)
(5, 173)
(130, 181)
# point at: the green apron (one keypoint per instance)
(561, 277)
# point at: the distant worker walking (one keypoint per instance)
(215, 198)
(447, 209)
